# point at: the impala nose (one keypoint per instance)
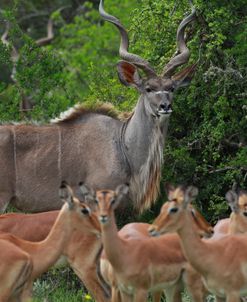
(103, 218)
(152, 232)
(245, 214)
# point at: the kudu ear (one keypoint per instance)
(121, 191)
(184, 77)
(190, 194)
(66, 194)
(87, 192)
(128, 74)
(232, 200)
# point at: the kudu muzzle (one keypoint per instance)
(165, 106)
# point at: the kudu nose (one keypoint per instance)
(165, 108)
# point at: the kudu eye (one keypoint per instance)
(148, 89)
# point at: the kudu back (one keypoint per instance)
(94, 147)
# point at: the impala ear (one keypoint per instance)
(184, 77)
(87, 192)
(128, 74)
(232, 199)
(169, 189)
(66, 194)
(190, 194)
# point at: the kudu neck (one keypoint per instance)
(142, 130)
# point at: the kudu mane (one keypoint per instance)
(79, 111)
(146, 185)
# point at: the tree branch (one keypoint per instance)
(244, 168)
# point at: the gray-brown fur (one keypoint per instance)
(92, 149)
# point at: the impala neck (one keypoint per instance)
(142, 131)
(47, 252)
(113, 244)
(195, 249)
(238, 224)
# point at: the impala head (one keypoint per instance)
(169, 219)
(106, 201)
(82, 216)
(237, 202)
(157, 91)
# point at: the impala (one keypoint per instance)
(222, 263)
(73, 215)
(133, 263)
(15, 269)
(101, 150)
(82, 250)
(237, 223)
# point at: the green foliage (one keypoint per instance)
(207, 134)
(59, 284)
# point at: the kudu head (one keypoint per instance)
(106, 201)
(157, 91)
(179, 200)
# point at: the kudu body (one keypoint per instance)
(94, 147)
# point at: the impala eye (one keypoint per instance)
(85, 211)
(173, 210)
(113, 201)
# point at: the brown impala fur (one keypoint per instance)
(222, 263)
(82, 250)
(133, 262)
(15, 270)
(99, 149)
(73, 215)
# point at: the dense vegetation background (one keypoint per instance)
(207, 137)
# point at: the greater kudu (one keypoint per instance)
(100, 150)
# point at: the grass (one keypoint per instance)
(59, 285)
(62, 285)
